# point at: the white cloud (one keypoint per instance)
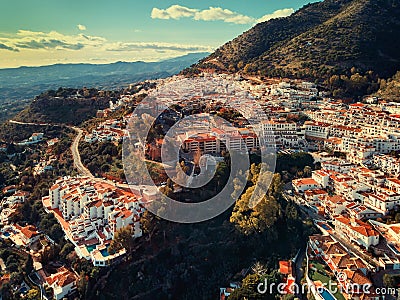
(173, 12)
(130, 46)
(81, 27)
(214, 14)
(220, 14)
(32, 48)
(276, 14)
(35, 40)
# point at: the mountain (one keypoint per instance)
(316, 42)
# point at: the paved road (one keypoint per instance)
(299, 272)
(33, 124)
(76, 155)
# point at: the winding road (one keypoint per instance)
(76, 155)
(74, 147)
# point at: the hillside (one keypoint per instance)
(66, 105)
(317, 41)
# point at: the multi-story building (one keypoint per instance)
(388, 164)
(321, 177)
(283, 133)
(337, 165)
(382, 201)
(316, 130)
(91, 211)
(356, 231)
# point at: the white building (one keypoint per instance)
(304, 184)
(63, 283)
(357, 231)
(92, 211)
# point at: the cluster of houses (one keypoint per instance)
(359, 130)
(259, 126)
(29, 240)
(9, 204)
(110, 130)
(356, 200)
(350, 271)
(364, 193)
(91, 212)
(63, 282)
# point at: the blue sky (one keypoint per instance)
(99, 31)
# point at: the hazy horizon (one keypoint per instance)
(106, 63)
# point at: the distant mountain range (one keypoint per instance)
(18, 86)
(27, 82)
(321, 39)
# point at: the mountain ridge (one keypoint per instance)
(317, 41)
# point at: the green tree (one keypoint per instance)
(248, 289)
(389, 280)
(307, 171)
(123, 238)
(16, 278)
(149, 223)
(397, 217)
(6, 291)
(82, 285)
(258, 218)
(259, 269)
(66, 249)
(28, 266)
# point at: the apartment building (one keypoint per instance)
(388, 164)
(356, 231)
(91, 211)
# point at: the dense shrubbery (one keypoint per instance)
(390, 88)
(102, 158)
(66, 105)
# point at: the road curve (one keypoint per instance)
(76, 155)
(74, 147)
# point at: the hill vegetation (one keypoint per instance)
(390, 88)
(66, 105)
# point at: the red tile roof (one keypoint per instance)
(356, 225)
